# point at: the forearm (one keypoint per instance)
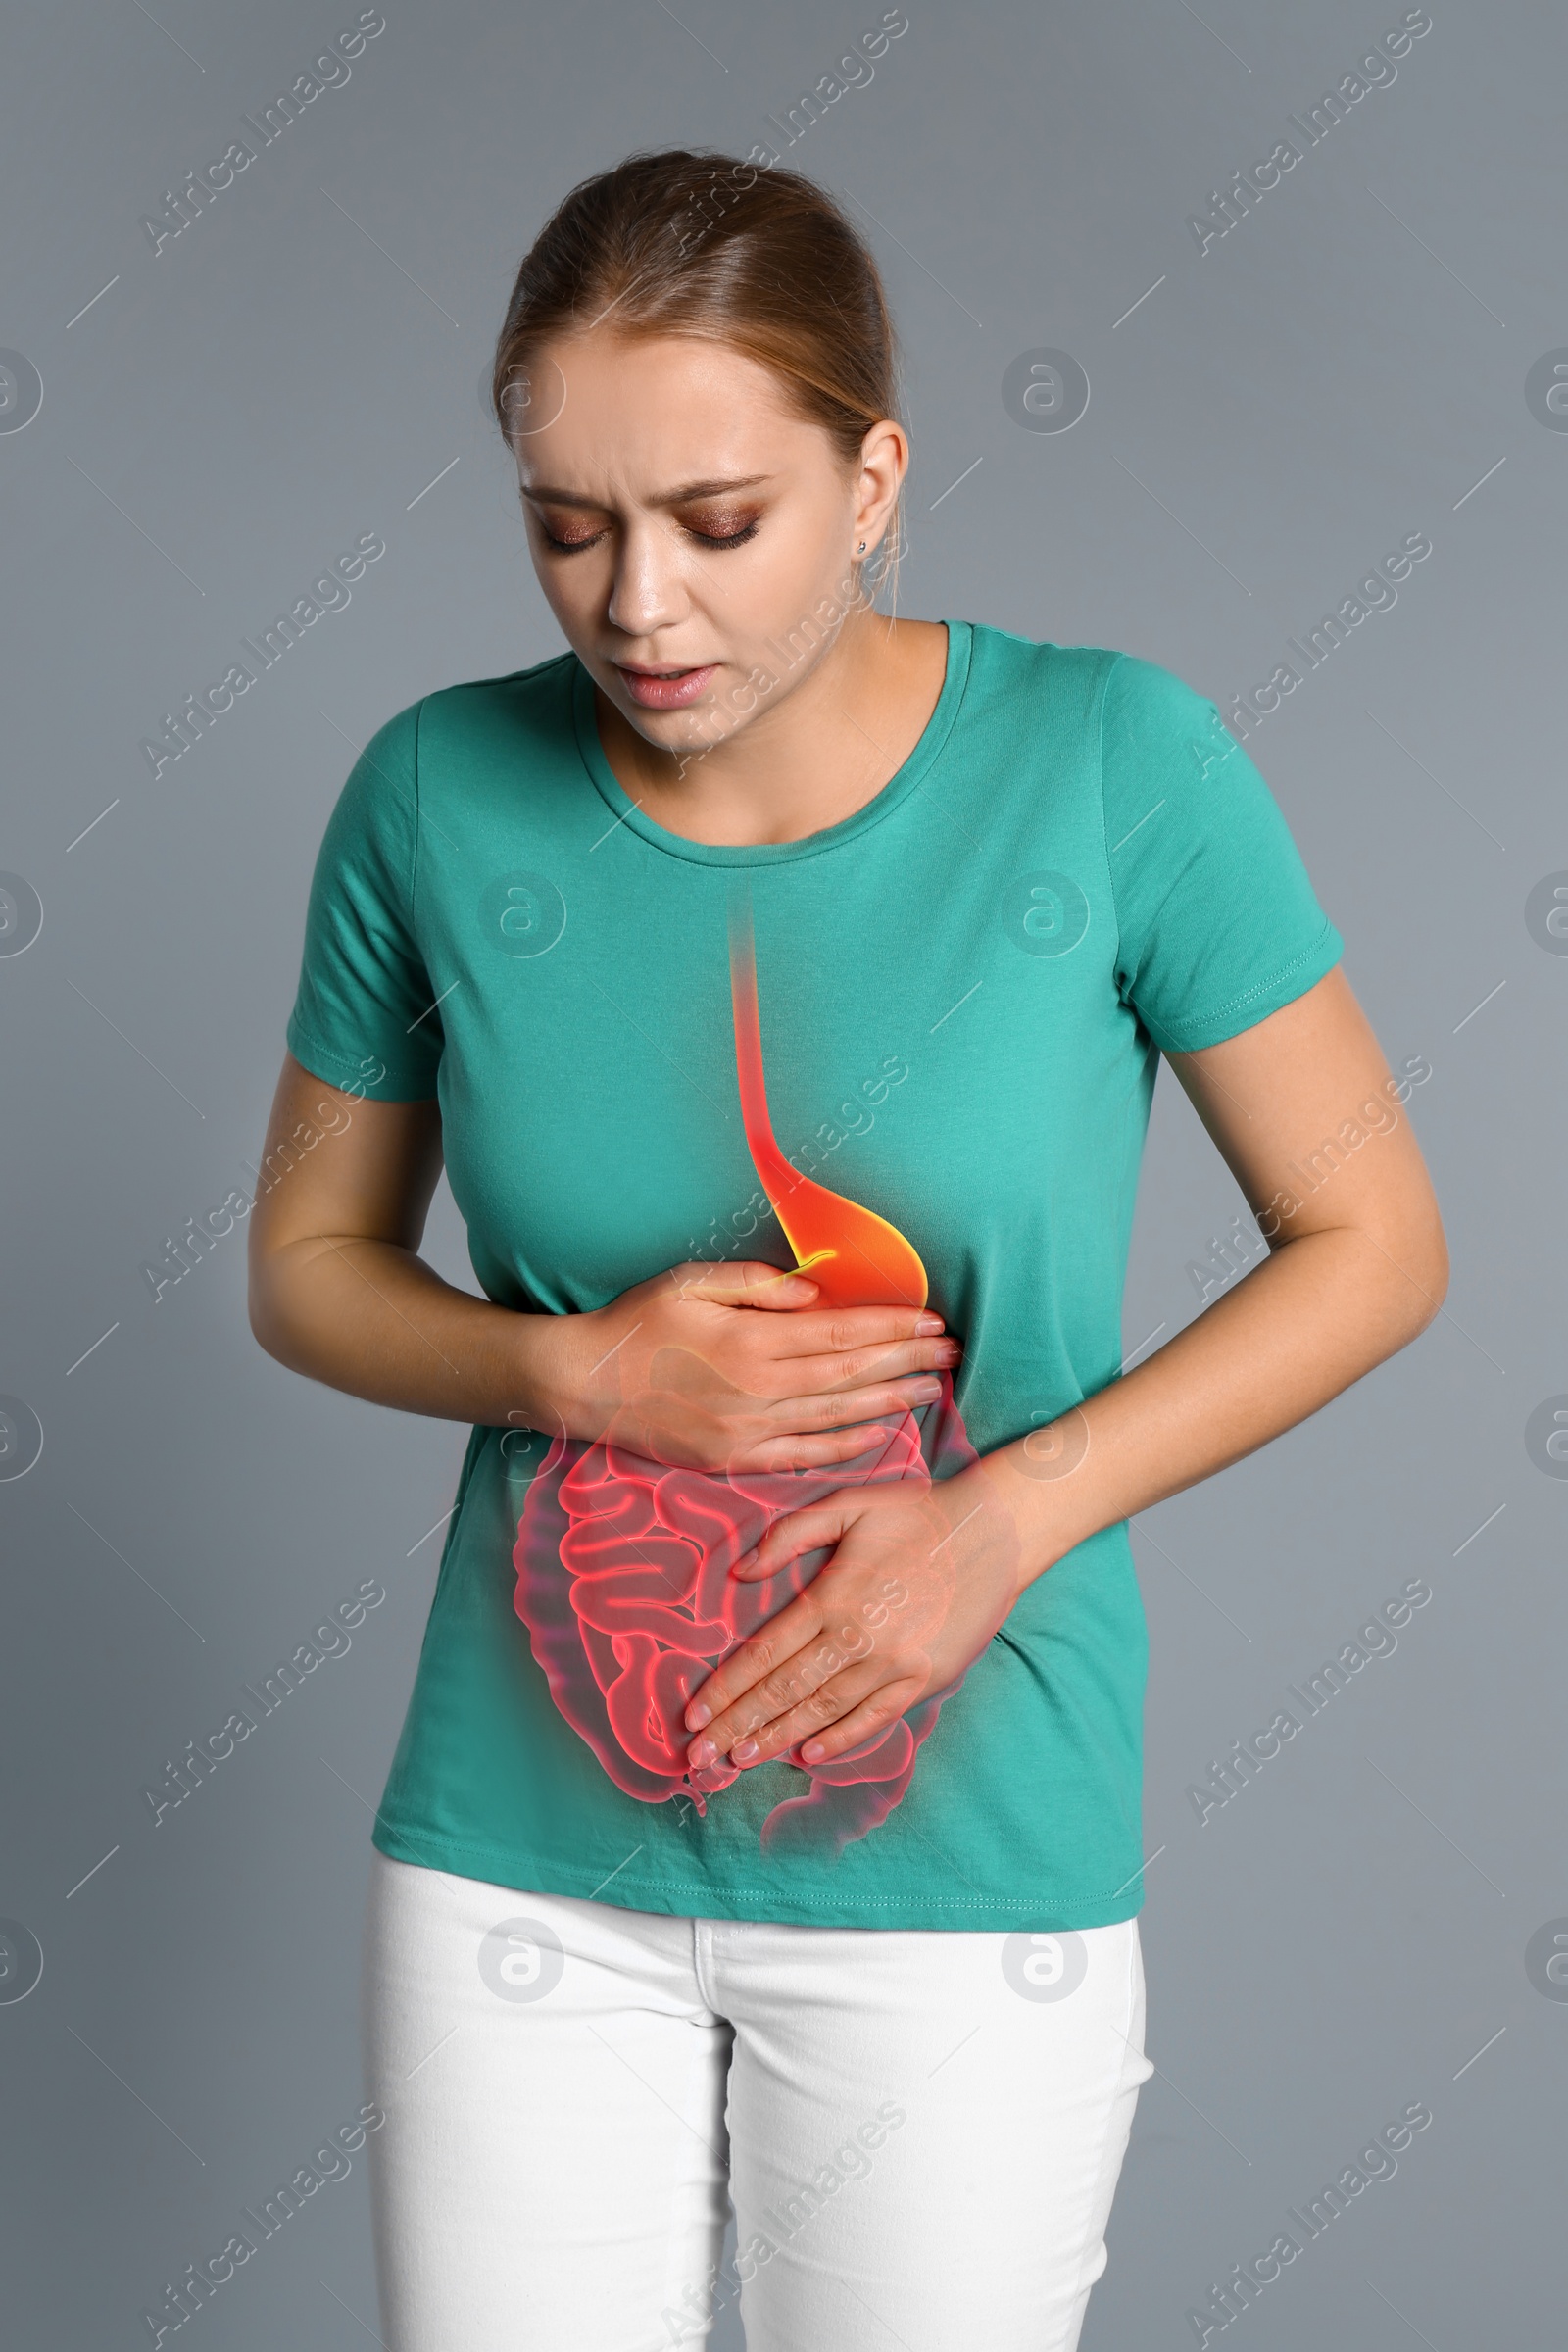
(373, 1319)
(1316, 1315)
(697, 1367)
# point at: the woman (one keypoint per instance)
(767, 1810)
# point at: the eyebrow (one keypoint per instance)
(673, 498)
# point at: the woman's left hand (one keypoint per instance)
(920, 1578)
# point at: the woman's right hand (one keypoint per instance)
(713, 1367)
(728, 1368)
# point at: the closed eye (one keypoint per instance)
(724, 538)
(572, 547)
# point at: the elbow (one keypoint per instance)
(1440, 1272)
(289, 1319)
(1423, 1278)
(261, 1320)
(278, 1336)
(265, 1309)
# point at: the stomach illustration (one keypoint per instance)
(623, 1562)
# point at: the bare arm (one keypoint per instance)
(338, 1292)
(337, 1289)
(920, 1581)
(1357, 1267)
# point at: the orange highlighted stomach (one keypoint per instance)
(856, 1257)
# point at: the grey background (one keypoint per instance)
(1340, 370)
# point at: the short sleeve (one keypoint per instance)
(1217, 922)
(365, 1015)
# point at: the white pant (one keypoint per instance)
(920, 2131)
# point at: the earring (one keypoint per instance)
(861, 550)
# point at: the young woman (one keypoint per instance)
(766, 1817)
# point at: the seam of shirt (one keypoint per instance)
(414, 858)
(404, 1073)
(1170, 1040)
(802, 849)
(773, 1894)
(1175, 881)
(1104, 830)
(1260, 988)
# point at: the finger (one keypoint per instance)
(807, 1415)
(873, 1714)
(838, 1330)
(825, 1522)
(816, 1716)
(767, 1651)
(786, 1419)
(858, 1368)
(751, 1724)
(811, 1453)
(746, 1283)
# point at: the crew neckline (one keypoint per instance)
(899, 786)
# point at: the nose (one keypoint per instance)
(647, 592)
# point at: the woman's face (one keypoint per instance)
(695, 539)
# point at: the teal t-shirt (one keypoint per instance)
(963, 989)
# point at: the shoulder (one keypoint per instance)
(1144, 698)
(1108, 687)
(448, 731)
(1007, 661)
(1120, 713)
(538, 697)
(539, 694)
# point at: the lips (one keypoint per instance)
(666, 688)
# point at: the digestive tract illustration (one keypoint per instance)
(623, 1562)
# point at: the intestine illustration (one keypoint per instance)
(623, 1562)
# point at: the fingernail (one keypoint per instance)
(745, 1561)
(812, 1752)
(948, 1353)
(743, 1751)
(697, 1715)
(926, 1324)
(703, 1754)
(926, 1388)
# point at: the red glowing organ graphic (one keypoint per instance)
(856, 1257)
(623, 1562)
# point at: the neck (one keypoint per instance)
(821, 742)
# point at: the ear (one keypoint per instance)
(884, 463)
